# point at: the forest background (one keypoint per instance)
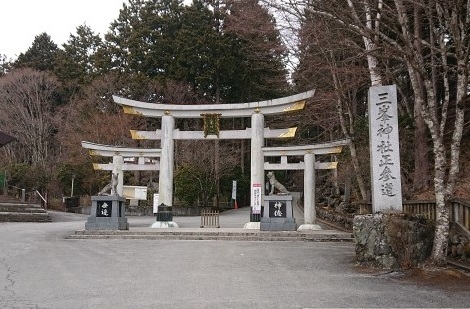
(214, 51)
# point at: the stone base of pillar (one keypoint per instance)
(164, 225)
(309, 227)
(252, 226)
(164, 218)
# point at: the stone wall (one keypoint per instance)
(459, 244)
(139, 210)
(392, 241)
(341, 220)
(186, 211)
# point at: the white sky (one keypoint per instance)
(22, 20)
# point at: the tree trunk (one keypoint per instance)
(421, 162)
(352, 148)
(441, 236)
(421, 158)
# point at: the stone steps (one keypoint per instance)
(7, 199)
(24, 217)
(22, 212)
(191, 234)
(21, 209)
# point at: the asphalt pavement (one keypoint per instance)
(40, 268)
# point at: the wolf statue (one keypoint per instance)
(275, 184)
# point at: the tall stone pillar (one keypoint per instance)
(309, 194)
(257, 169)
(165, 182)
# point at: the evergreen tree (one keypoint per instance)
(260, 55)
(205, 56)
(140, 41)
(76, 63)
(40, 56)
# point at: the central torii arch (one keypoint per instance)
(168, 133)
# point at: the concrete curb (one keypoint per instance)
(214, 234)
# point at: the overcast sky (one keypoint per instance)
(22, 20)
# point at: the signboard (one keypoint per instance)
(140, 193)
(104, 208)
(384, 149)
(256, 198)
(234, 190)
(135, 192)
(277, 209)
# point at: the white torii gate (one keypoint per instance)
(118, 154)
(309, 165)
(168, 133)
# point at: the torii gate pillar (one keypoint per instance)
(165, 182)
(257, 165)
(309, 194)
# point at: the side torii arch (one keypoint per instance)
(309, 165)
(147, 160)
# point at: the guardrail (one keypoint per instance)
(43, 199)
(20, 194)
(16, 193)
(459, 210)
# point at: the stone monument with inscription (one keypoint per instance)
(107, 213)
(373, 242)
(384, 149)
(277, 214)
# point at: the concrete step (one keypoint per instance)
(24, 217)
(21, 209)
(22, 212)
(191, 234)
(19, 204)
(8, 199)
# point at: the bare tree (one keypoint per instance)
(338, 69)
(27, 99)
(436, 57)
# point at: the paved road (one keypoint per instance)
(40, 269)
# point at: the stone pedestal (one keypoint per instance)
(164, 217)
(107, 213)
(278, 214)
